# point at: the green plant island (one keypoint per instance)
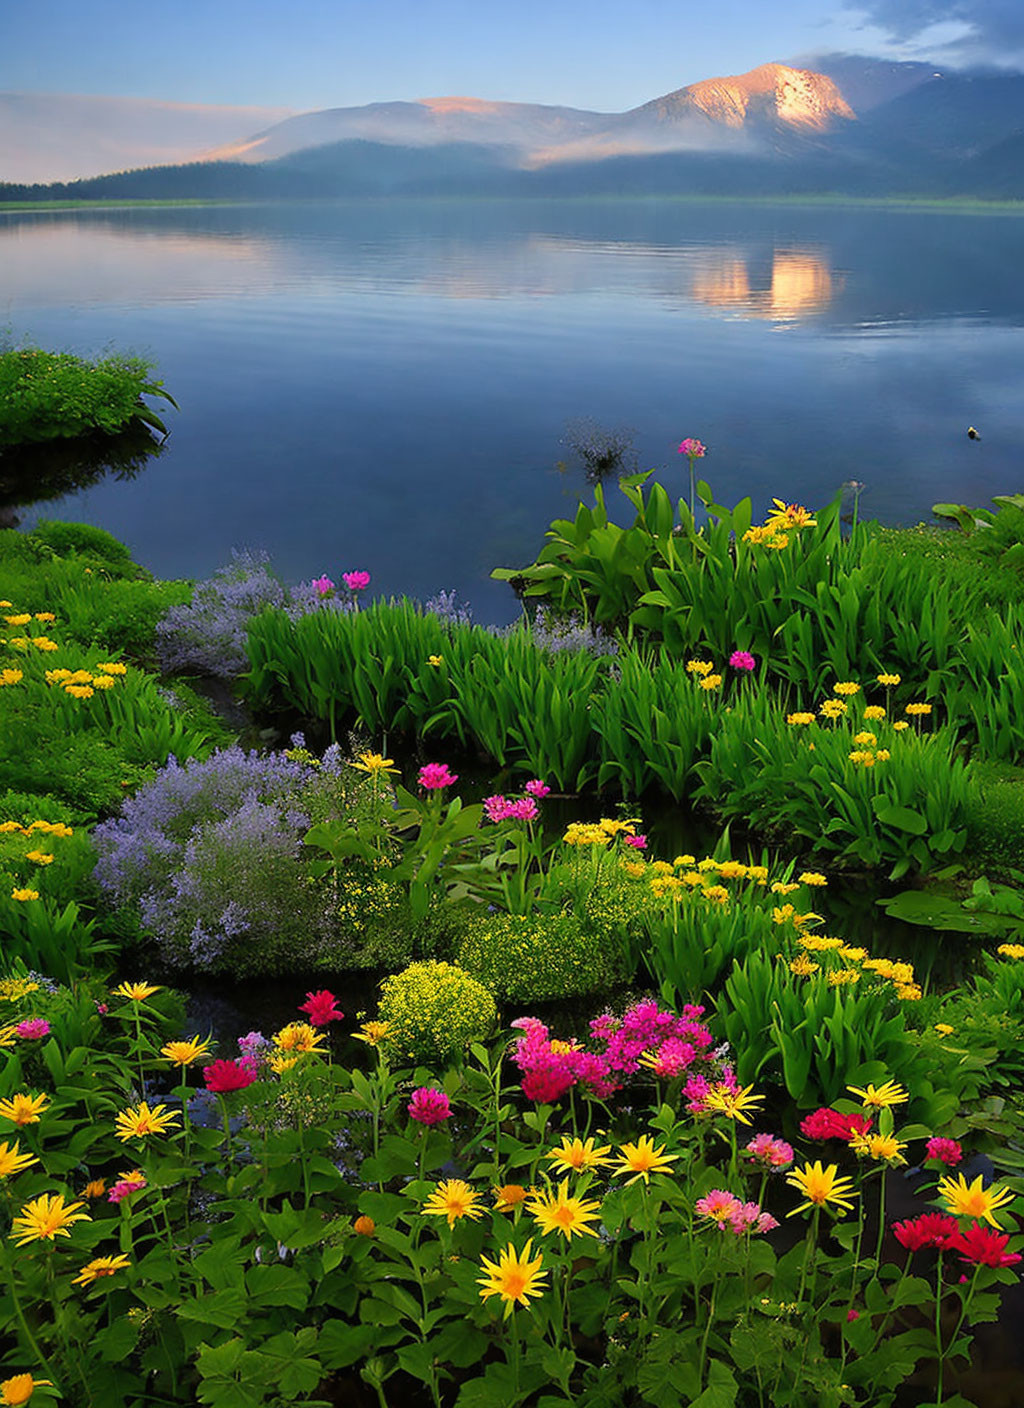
(626, 1127)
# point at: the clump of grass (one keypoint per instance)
(996, 818)
(56, 395)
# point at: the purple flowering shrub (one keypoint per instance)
(210, 853)
(207, 635)
(567, 633)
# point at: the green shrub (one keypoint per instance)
(539, 958)
(434, 1010)
(55, 395)
(85, 540)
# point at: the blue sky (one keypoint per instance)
(603, 54)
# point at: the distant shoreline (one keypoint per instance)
(964, 204)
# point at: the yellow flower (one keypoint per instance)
(57, 676)
(183, 1053)
(733, 1103)
(509, 1196)
(846, 687)
(820, 943)
(39, 857)
(11, 676)
(24, 895)
(79, 691)
(879, 1146)
(782, 887)
(373, 1033)
(44, 643)
(811, 877)
(732, 870)
(832, 708)
(710, 682)
(944, 1029)
(374, 764)
(22, 619)
(718, 893)
(681, 862)
(918, 709)
(699, 667)
(18, 1390)
(364, 1226)
(972, 1200)
(453, 1199)
(891, 1093)
(883, 755)
(890, 681)
(557, 1212)
(803, 967)
(865, 739)
(843, 977)
(45, 616)
(136, 1124)
(46, 1218)
(514, 1277)
(909, 992)
(94, 1189)
(279, 1064)
(874, 711)
(783, 914)
(101, 1266)
(820, 1186)
(299, 1037)
(23, 1109)
(900, 725)
(642, 1159)
(113, 668)
(12, 1160)
(102, 682)
(1010, 951)
(575, 1155)
(800, 718)
(136, 992)
(789, 516)
(435, 660)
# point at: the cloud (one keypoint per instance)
(959, 31)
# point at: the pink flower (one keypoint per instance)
(693, 448)
(496, 807)
(429, 1106)
(356, 581)
(222, 1076)
(102, 1009)
(523, 809)
(947, 1151)
(985, 1246)
(321, 1008)
(33, 1029)
(742, 660)
(852, 1315)
(830, 1124)
(930, 1229)
(719, 1206)
(638, 843)
(745, 1218)
(766, 1223)
(537, 789)
(323, 585)
(435, 775)
(774, 1153)
(124, 1188)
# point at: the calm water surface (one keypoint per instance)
(387, 385)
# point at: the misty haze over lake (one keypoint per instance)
(387, 385)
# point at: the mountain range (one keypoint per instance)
(846, 124)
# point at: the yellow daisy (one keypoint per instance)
(23, 1109)
(136, 992)
(453, 1199)
(46, 1218)
(733, 1103)
(514, 1277)
(820, 1186)
(183, 1053)
(642, 1159)
(557, 1212)
(575, 1155)
(136, 1124)
(101, 1266)
(972, 1200)
(891, 1093)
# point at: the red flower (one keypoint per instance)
(830, 1124)
(931, 1229)
(985, 1246)
(322, 1008)
(429, 1106)
(229, 1075)
(947, 1151)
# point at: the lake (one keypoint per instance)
(387, 385)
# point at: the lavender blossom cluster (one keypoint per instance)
(207, 636)
(451, 611)
(570, 633)
(210, 853)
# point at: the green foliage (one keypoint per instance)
(54, 395)
(435, 1010)
(900, 801)
(84, 540)
(539, 959)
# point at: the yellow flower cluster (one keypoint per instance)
(598, 833)
(784, 520)
(900, 974)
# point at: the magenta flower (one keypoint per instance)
(323, 585)
(321, 1007)
(223, 1076)
(947, 1151)
(694, 449)
(742, 660)
(435, 775)
(719, 1206)
(537, 789)
(523, 809)
(429, 1106)
(356, 581)
(772, 1152)
(639, 843)
(33, 1029)
(124, 1188)
(496, 807)
(102, 1009)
